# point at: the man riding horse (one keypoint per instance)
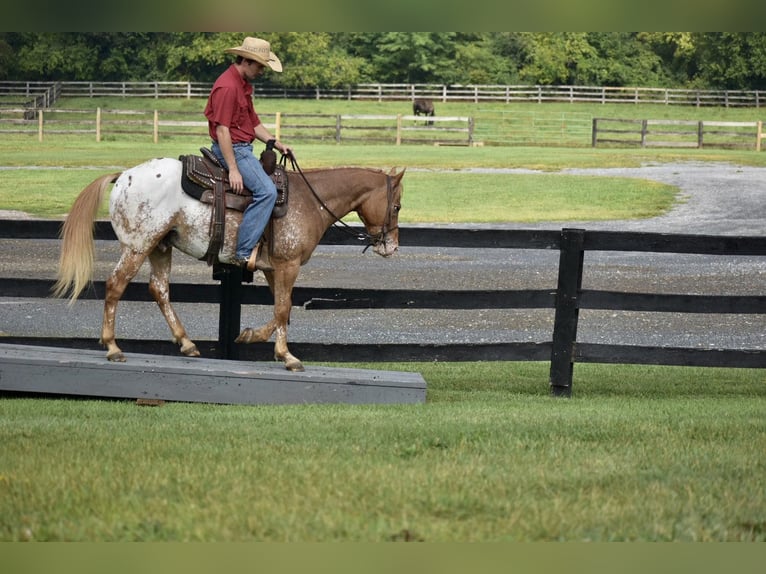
(233, 125)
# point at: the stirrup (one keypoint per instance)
(253, 257)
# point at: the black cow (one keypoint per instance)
(424, 107)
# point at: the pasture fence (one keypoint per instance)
(677, 133)
(499, 128)
(337, 128)
(567, 298)
(404, 91)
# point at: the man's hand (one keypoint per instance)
(235, 179)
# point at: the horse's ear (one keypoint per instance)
(399, 176)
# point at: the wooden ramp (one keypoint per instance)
(80, 372)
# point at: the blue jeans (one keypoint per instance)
(257, 215)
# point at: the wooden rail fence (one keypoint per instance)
(567, 298)
(677, 133)
(338, 128)
(398, 92)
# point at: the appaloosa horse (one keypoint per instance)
(151, 214)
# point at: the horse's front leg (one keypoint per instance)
(159, 286)
(281, 281)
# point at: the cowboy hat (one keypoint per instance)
(258, 50)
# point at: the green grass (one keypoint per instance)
(429, 197)
(481, 198)
(640, 453)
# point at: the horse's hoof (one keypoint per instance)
(190, 351)
(245, 336)
(294, 366)
(116, 357)
(291, 363)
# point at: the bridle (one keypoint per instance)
(373, 240)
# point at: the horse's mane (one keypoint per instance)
(341, 167)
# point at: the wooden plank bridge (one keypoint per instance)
(57, 371)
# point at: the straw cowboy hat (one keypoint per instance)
(258, 50)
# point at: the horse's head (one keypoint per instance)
(380, 214)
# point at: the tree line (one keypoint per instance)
(710, 60)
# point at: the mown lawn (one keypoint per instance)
(640, 453)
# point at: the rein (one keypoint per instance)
(342, 225)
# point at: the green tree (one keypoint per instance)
(621, 59)
(333, 60)
(409, 57)
(106, 56)
(556, 57)
(313, 59)
(477, 60)
(732, 60)
(677, 52)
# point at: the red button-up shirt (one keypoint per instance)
(230, 104)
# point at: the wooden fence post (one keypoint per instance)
(594, 133)
(700, 133)
(399, 129)
(40, 125)
(98, 124)
(644, 129)
(758, 135)
(567, 311)
(156, 130)
(230, 309)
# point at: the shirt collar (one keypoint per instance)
(247, 86)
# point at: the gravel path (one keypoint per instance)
(715, 199)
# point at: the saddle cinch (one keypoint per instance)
(207, 180)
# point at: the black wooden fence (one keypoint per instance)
(567, 299)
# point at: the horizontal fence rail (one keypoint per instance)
(567, 298)
(393, 92)
(338, 128)
(677, 133)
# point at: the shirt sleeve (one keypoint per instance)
(222, 107)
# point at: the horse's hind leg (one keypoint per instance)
(159, 286)
(129, 264)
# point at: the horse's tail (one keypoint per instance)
(77, 249)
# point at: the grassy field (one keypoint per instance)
(42, 179)
(430, 197)
(639, 453)
(642, 453)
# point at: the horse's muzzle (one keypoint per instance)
(386, 248)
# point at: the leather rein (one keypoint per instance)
(364, 235)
